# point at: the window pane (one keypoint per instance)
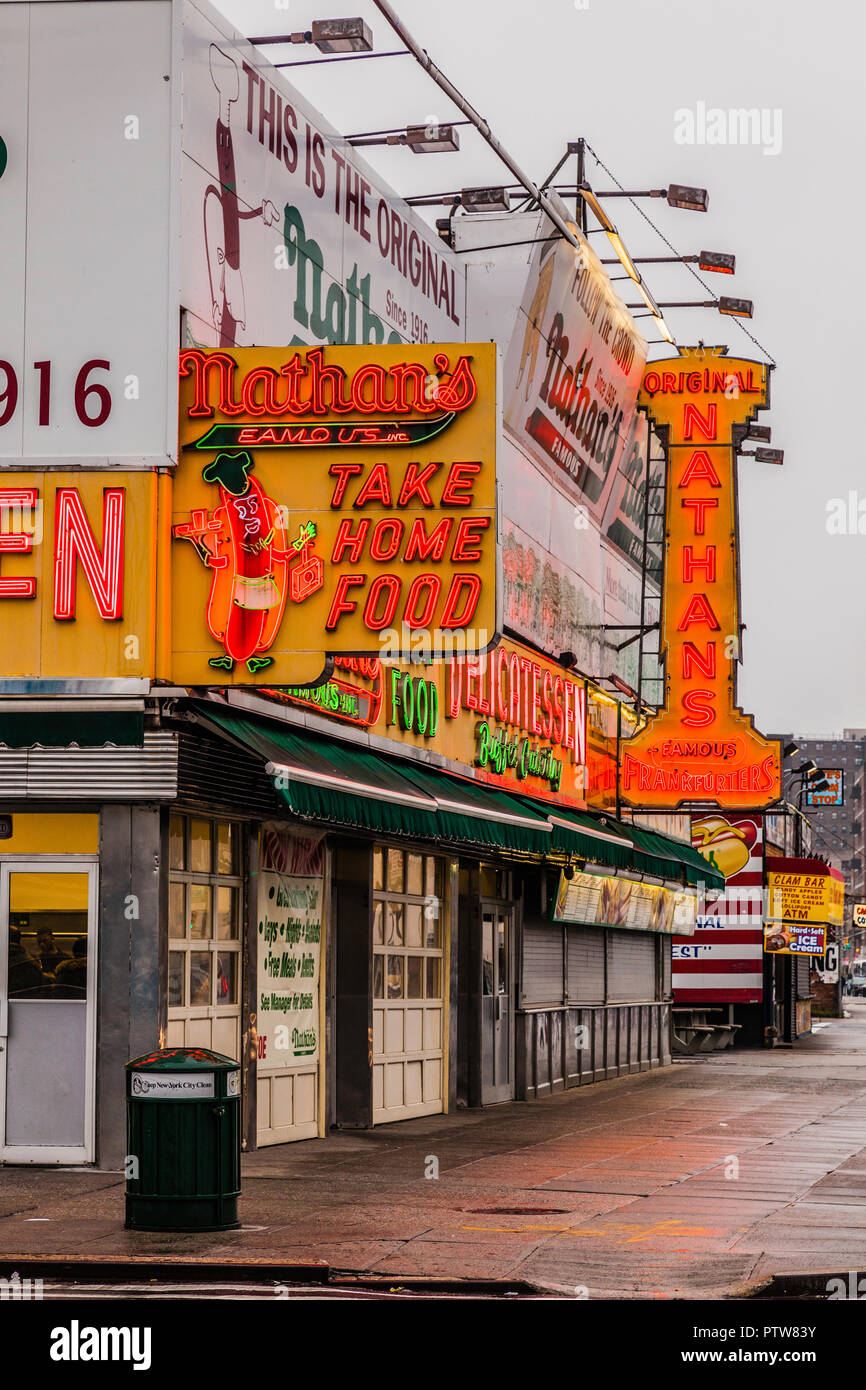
(395, 977)
(226, 977)
(176, 911)
(175, 978)
(414, 874)
(502, 964)
(199, 977)
(431, 875)
(199, 846)
(378, 977)
(395, 871)
(434, 976)
(378, 924)
(414, 976)
(227, 849)
(432, 918)
(394, 924)
(378, 869)
(175, 843)
(227, 913)
(199, 911)
(413, 925)
(487, 954)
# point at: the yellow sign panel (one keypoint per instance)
(801, 897)
(78, 580)
(329, 501)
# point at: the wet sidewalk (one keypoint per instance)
(695, 1181)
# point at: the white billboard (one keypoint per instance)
(289, 236)
(88, 308)
(573, 370)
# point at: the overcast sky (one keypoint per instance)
(621, 73)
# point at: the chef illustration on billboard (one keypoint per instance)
(255, 565)
(223, 212)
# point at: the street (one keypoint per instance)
(698, 1181)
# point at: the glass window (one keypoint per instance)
(226, 977)
(199, 846)
(378, 977)
(412, 921)
(227, 913)
(487, 954)
(378, 870)
(434, 986)
(395, 977)
(414, 977)
(414, 874)
(431, 876)
(432, 937)
(199, 911)
(176, 855)
(175, 978)
(226, 849)
(394, 927)
(395, 871)
(176, 910)
(502, 970)
(378, 924)
(199, 977)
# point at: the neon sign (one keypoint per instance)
(308, 555)
(700, 746)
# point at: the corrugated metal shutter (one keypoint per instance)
(804, 968)
(586, 965)
(631, 966)
(217, 776)
(148, 773)
(542, 965)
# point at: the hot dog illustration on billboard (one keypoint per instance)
(244, 543)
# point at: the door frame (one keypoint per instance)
(52, 864)
(508, 909)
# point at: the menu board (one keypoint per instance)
(616, 901)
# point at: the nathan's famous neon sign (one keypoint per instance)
(312, 554)
(701, 746)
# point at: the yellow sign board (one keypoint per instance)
(331, 501)
(806, 897)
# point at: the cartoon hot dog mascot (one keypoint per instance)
(244, 543)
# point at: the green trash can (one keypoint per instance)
(183, 1127)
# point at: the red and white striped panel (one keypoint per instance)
(723, 963)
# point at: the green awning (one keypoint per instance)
(60, 728)
(653, 847)
(580, 834)
(344, 785)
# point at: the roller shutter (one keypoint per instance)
(542, 965)
(585, 965)
(631, 966)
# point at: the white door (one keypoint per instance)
(48, 922)
(409, 986)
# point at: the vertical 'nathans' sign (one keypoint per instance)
(332, 501)
(701, 746)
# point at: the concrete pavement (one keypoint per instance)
(695, 1181)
